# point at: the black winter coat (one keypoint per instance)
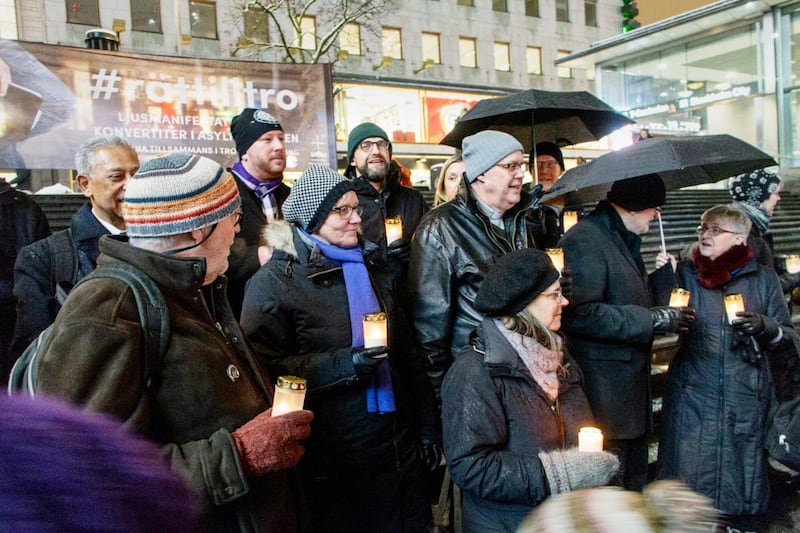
(496, 420)
(715, 402)
(361, 470)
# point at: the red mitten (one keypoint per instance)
(268, 444)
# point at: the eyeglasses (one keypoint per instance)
(346, 211)
(237, 216)
(556, 296)
(714, 231)
(547, 164)
(513, 167)
(367, 145)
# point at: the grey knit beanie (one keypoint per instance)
(313, 196)
(484, 149)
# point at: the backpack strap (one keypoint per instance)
(153, 313)
(63, 262)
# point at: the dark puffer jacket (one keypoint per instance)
(715, 403)
(361, 470)
(210, 382)
(496, 420)
(453, 248)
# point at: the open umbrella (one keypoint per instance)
(533, 115)
(680, 161)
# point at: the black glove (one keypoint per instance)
(566, 282)
(789, 281)
(747, 345)
(399, 250)
(671, 319)
(366, 360)
(757, 325)
(431, 454)
(570, 469)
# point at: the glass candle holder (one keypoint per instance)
(733, 304)
(590, 440)
(679, 298)
(570, 218)
(394, 229)
(375, 330)
(793, 264)
(557, 257)
(290, 394)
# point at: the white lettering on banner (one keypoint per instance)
(736, 92)
(222, 91)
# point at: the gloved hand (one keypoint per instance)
(760, 326)
(671, 319)
(789, 281)
(268, 444)
(566, 282)
(571, 469)
(366, 360)
(431, 454)
(747, 345)
(399, 250)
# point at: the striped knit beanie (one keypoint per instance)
(176, 194)
(313, 196)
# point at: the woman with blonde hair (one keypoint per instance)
(450, 180)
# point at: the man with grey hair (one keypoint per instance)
(53, 265)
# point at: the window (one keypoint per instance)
(83, 12)
(534, 60)
(500, 5)
(562, 10)
(590, 12)
(564, 72)
(431, 48)
(203, 17)
(531, 8)
(391, 41)
(256, 24)
(470, 3)
(467, 52)
(502, 56)
(307, 40)
(146, 16)
(350, 39)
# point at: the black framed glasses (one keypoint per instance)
(513, 167)
(346, 211)
(714, 231)
(367, 145)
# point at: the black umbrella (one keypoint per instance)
(680, 161)
(534, 115)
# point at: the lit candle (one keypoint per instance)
(733, 304)
(290, 393)
(557, 257)
(590, 440)
(394, 229)
(375, 330)
(570, 219)
(793, 264)
(679, 298)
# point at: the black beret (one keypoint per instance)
(514, 281)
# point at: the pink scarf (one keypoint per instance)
(543, 364)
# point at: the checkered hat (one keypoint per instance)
(176, 194)
(313, 196)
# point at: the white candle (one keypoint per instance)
(590, 440)
(290, 394)
(394, 229)
(570, 219)
(793, 264)
(375, 332)
(733, 304)
(679, 298)
(557, 257)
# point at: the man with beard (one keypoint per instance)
(380, 194)
(261, 145)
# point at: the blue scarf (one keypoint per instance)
(361, 300)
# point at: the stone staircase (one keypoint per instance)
(59, 208)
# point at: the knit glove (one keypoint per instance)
(431, 454)
(268, 444)
(760, 326)
(566, 282)
(399, 250)
(366, 360)
(671, 319)
(570, 469)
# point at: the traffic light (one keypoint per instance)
(629, 11)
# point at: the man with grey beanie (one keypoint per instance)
(456, 242)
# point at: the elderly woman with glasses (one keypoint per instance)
(513, 401)
(718, 390)
(375, 417)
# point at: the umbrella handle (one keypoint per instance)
(661, 230)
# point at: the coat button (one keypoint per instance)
(233, 372)
(229, 491)
(234, 339)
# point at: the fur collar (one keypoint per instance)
(715, 274)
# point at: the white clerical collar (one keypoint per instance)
(495, 217)
(112, 229)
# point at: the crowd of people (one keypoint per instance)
(492, 361)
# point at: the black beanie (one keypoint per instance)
(249, 125)
(514, 281)
(639, 193)
(548, 148)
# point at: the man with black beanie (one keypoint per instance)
(261, 145)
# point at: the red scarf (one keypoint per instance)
(713, 274)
